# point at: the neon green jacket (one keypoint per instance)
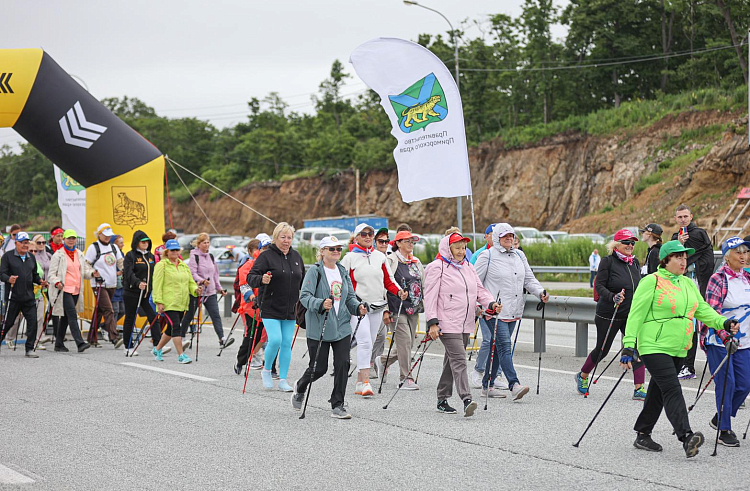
(173, 285)
(662, 312)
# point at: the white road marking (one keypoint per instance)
(9, 476)
(170, 372)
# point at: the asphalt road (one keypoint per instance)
(90, 422)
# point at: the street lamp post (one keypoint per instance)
(458, 82)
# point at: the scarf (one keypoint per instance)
(624, 258)
(451, 262)
(410, 260)
(70, 252)
(56, 247)
(361, 250)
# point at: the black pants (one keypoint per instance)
(131, 303)
(664, 391)
(28, 309)
(69, 319)
(247, 341)
(602, 325)
(190, 314)
(340, 368)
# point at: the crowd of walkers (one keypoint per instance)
(364, 303)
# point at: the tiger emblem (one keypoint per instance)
(129, 211)
(425, 109)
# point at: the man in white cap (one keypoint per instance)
(106, 259)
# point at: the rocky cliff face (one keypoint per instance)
(550, 185)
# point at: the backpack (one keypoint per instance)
(198, 263)
(300, 310)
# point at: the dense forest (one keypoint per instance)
(515, 80)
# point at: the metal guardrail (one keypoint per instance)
(561, 309)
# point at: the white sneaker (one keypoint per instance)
(256, 363)
(475, 379)
(495, 394)
(410, 385)
(500, 383)
(130, 352)
(185, 344)
(367, 390)
(40, 347)
(379, 367)
(518, 391)
(166, 350)
(358, 388)
(45, 339)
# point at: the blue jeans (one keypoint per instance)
(484, 350)
(738, 383)
(502, 356)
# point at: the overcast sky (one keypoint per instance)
(206, 59)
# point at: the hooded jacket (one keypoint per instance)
(662, 312)
(277, 299)
(137, 267)
(703, 259)
(58, 267)
(505, 273)
(203, 266)
(315, 290)
(173, 285)
(451, 292)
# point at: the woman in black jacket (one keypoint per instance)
(137, 279)
(651, 236)
(616, 281)
(278, 273)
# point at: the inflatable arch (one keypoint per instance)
(121, 171)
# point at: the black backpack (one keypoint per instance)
(300, 310)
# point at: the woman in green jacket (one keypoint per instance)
(327, 288)
(173, 286)
(661, 325)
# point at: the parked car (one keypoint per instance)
(186, 242)
(556, 235)
(312, 235)
(634, 230)
(530, 235)
(596, 238)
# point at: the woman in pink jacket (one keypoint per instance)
(451, 292)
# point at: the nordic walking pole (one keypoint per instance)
(716, 372)
(601, 350)
(21, 325)
(401, 383)
(256, 315)
(221, 350)
(540, 306)
(701, 382)
(142, 335)
(476, 330)
(602, 407)
(294, 339)
(196, 313)
(515, 339)
(610, 364)
(47, 317)
(92, 337)
(488, 368)
(419, 368)
(135, 319)
(354, 336)
(746, 429)
(5, 319)
(390, 346)
(723, 396)
(315, 361)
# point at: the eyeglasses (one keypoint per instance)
(335, 249)
(33, 251)
(406, 241)
(382, 241)
(41, 242)
(366, 234)
(627, 242)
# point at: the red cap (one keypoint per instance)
(624, 234)
(456, 237)
(405, 234)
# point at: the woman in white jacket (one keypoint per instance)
(371, 280)
(67, 270)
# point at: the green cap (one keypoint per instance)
(70, 233)
(381, 230)
(674, 246)
(145, 239)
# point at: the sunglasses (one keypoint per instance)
(33, 251)
(366, 234)
(335, 249)
(41, 242)
(627, 242)
(382, 241)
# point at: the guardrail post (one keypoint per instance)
(540, 335)
(228, 299)
(582, 339)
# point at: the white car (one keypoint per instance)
(555, 235)
(530, 235)
(596, 238)
(311, 235)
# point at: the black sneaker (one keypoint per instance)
(728, 438)
(275, 375)
(83, 347)
(469, 408)
(297, 398)
(445, 408)
(227, 343)
(237, 368)
(644, 442)
(692, 442)
(62, 349)
(714, 423)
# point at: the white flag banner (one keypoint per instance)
(71, 198)
(422, 101)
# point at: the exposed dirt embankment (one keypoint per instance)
(550, 185)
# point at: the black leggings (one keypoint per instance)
(340, 367)
(131, 303)
(602, 325)
(247, 341)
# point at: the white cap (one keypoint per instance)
(361, 227)
(264, 239)
(330, 241)
(105, 229)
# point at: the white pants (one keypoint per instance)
(368, 330)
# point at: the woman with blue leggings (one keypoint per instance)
(278, 273)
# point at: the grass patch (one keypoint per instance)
(578, 292)
(670, 166)
(299, 175)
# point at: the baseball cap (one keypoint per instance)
(172, 245)
(405, 234)
(361, 227)
(22, 236)
(70, 233)
(674, 246)
(456, 237)
(330, 241)
(503, 229)
(624, 234)
(145, 239)
(382, 230)
(653, 228)
(489, 228)
(105, 229)
(733, 243)
(265, 240)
